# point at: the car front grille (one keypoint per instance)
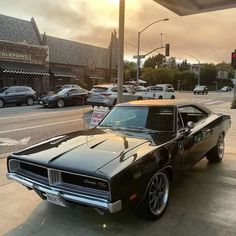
(62, 180)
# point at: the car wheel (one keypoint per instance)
(60, 103)
(1, 103)
(157, 197)
(30, 101)
(216, 154)
(139, 98)
(172, 97)
(160, 97)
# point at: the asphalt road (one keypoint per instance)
(202, 201)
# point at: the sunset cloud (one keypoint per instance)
(210, 36)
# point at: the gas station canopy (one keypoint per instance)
(189, 7)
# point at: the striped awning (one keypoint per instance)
(63, 73)
(23, 68)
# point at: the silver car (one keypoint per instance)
(106, 95)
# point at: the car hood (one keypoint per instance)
(84, 151)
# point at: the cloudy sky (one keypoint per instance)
(210, 37)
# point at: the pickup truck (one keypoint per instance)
(159, 91)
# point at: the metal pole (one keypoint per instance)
(138, 59)
(121, 52)
(234, 84)
(198, 81)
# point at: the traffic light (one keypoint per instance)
(167, 50)
(233, 59)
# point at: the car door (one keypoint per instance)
(127, 95)
(10, 95)
(196, 138)
(71, 97)
(21, 94)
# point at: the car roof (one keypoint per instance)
(164, 102)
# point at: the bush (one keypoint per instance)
(233, 104)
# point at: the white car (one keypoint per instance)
(106, 95)
(160, 91)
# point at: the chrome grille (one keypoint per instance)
(53, 177)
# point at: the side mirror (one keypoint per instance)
(190, 125)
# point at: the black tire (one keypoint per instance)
(160, 97)
(30, 101)
(2, 104)
(60, 103)
(139, 98)
(172, 97)
(157, 197)
(216, 154)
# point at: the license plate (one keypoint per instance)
(55, 199)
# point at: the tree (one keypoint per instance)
(171, 62)
(208, 74)
(129, 70)
(155, 61)
(184, 66)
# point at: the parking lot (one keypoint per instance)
(202, 200)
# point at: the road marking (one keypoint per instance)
(40, 126)
(13, 142)
(13, 116)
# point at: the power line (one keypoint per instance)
(134, 46)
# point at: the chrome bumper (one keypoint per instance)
(66, 195)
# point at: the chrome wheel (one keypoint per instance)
(158, 193)
(60, 103)
(221, 146)
(30, 101)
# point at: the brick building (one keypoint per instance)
(44, 62)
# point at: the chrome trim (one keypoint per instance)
(50, 179)
(67, 195)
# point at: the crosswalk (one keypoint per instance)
(209, 101)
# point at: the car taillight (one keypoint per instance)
(105, 94)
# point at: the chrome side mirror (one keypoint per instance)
(190, 125)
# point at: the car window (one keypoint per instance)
(99, 89)
(191, 113)
(114, 89)
(11, 90)
(73, 91)
(21, 89)
(3, 89)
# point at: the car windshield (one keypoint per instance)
(3, 89)
(140, 118)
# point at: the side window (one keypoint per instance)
(21, 90)
(114, 89)
(180, 122)
(191, 113)
(73, 91)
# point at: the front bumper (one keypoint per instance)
(66, 195)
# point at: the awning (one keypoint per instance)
(189, 7)
(23, 68)
(95, 77)
(63, 73)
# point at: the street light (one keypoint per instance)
(199, 69)
(139, 33)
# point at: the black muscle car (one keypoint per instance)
(128, 160)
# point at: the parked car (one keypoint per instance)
(17, 95)
(127, 161)
(65, 97)
(200, 89)
(160, 91)
(225, 89)
(106, 95)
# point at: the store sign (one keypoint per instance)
(98, 114)
(15, 56)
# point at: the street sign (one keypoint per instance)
(140, 56)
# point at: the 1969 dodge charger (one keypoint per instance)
(127, 161)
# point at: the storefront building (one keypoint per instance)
(44, 62)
